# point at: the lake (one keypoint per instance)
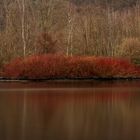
(70, 110)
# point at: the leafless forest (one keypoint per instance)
(76, 27)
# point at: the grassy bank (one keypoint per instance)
(63, 67)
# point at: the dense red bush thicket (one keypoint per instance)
(57, 66)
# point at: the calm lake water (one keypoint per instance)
(89, 110)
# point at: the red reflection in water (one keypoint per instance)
(70, 114)
(53, 99)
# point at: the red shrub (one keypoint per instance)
(114, 67)
(80, 67)
(14, 69)
(58, 66)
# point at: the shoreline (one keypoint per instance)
(3, 79)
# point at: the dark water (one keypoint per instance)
(70, 111)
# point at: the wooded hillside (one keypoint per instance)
(76, 27)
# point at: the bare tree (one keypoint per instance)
(21, 4)
(70, 29)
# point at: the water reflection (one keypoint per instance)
(110, 113)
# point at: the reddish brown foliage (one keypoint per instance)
(58, 66)
(14, 69)
(46, 44)
(109, 67)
